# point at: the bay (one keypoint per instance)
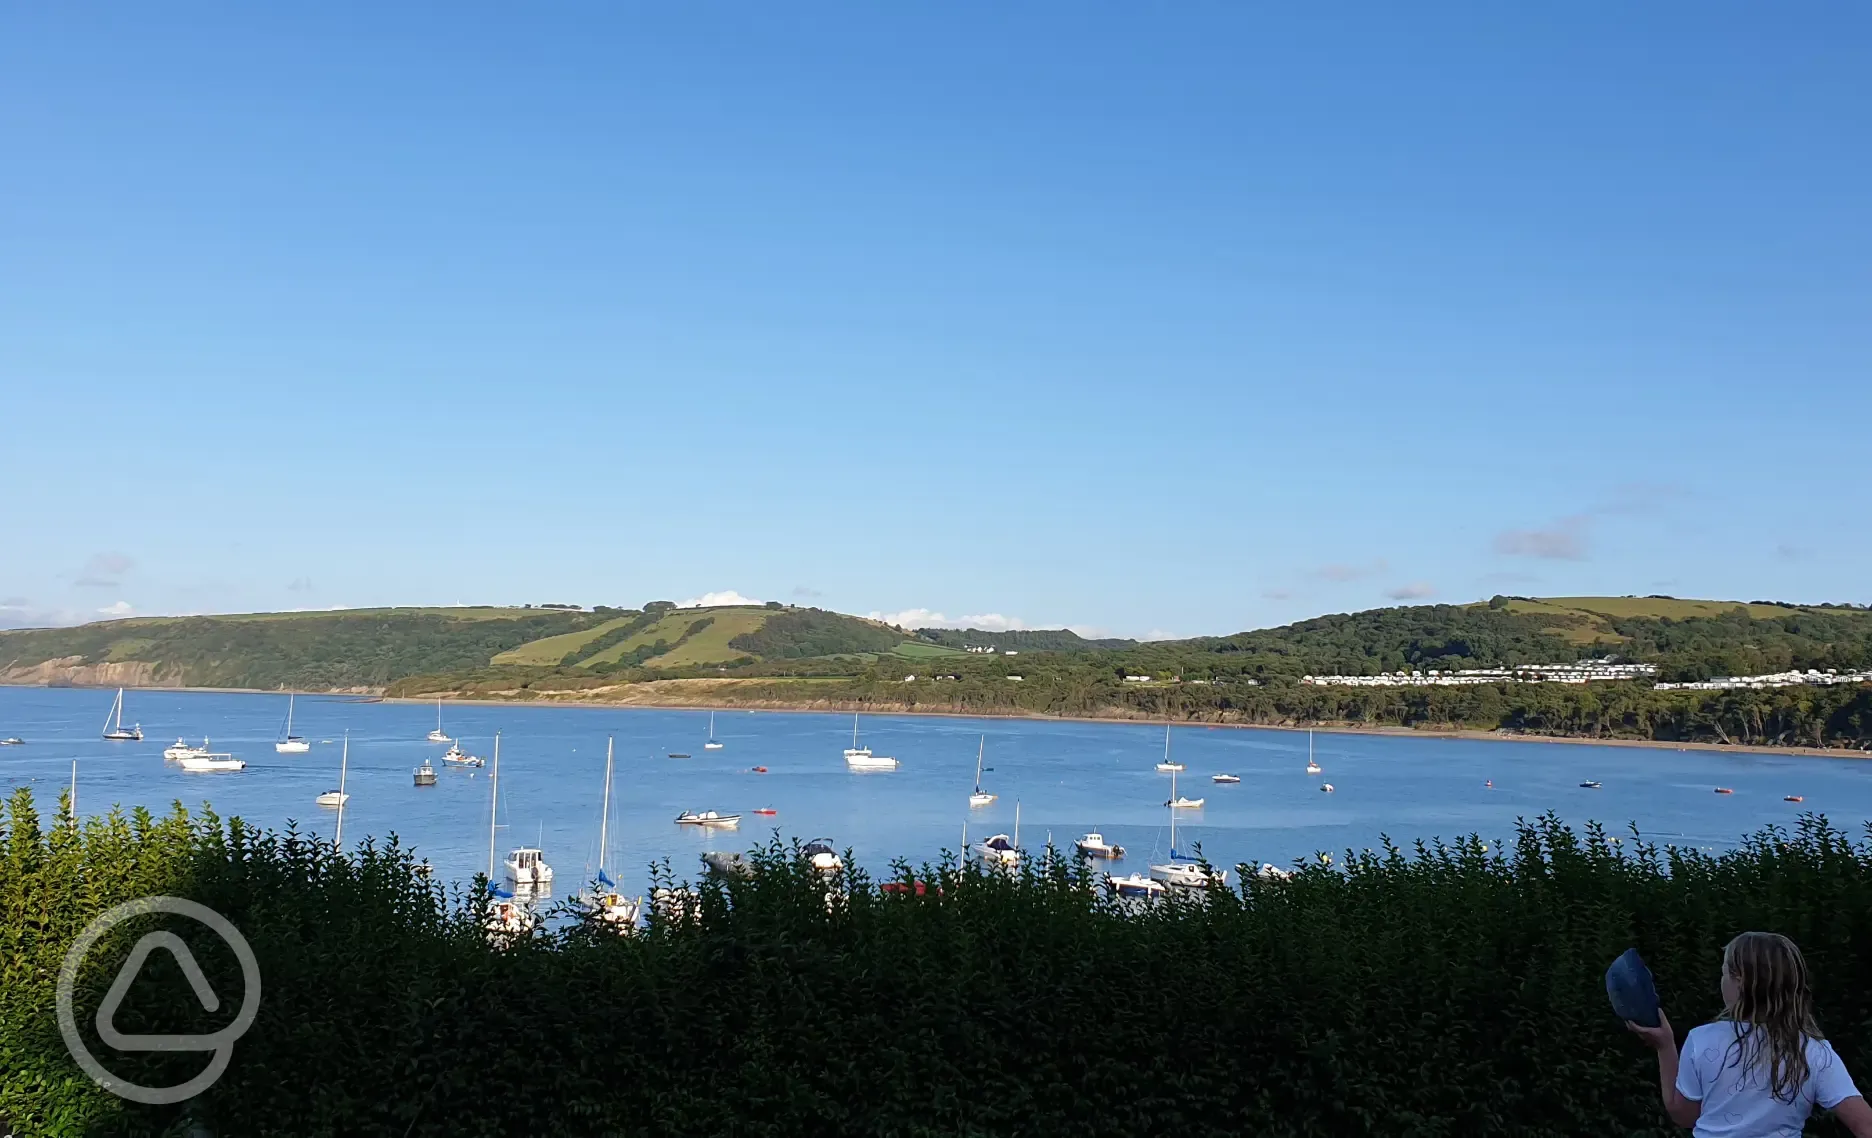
(1068, 777)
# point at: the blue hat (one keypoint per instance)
(1628, 985)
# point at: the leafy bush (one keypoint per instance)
(1455, 990)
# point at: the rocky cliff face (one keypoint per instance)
(72, 671)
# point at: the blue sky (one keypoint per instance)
(1150, 319)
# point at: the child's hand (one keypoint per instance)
(1656, 1038)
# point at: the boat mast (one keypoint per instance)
(979, 748)
(493, 803)
(1167, 743)
(438, 713)
(1017, 823)
(1173, 852)
(344, 761)
(289, 710)
(74, 796)
(711, 727)
(604, 822)
(854, 731)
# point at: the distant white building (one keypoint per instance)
(1137, 679)
(1582, 672)
(1772, 680)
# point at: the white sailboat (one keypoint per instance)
(861, 759)
(1312, 767)
(115, 731)
(507, 917)
(607, 904)
(1167, 765)
(338, 797)
(437, 736)
(1185, 871)
(980, 797)
(1178, 801)
(713, 744)
(291, 744)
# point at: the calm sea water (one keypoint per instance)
(1067, 777)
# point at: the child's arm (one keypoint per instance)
(1683, 1111)
(1856, 1115)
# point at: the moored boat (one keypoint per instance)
(861, 759)
(1187, 872)
(1589, 784)
(980, 797)
(1793, 798)
(527, 866)
(1166, 765)
(1327, 788)
(767, 810)
(458, 757)
(437, 736)
(289, 743)
(118, 733)
(707, 818)
(333, 798)
(1724, 790)
(1134, 885)
(181, 750)
(823, 855)
(425, 774)
(1095, 845)
(727, 863)
(1182, 802)
(213, 763)
(1312, 767)
(713, 743)
(12, 741)
(1230, 778)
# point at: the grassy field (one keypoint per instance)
(671, 628)
(919, 649)
(711, 646)
(1595, 610)
(552, 649)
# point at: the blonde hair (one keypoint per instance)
(1773, 1009)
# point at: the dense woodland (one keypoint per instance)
(1442, 991)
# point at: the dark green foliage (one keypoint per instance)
(312, 651)
(798, 633)
(1420, 636)
(1019, 640)
(1455, 990)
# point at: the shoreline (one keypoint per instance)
(1461, 734)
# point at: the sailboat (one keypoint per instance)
(291, 744)
(1001, 851)
(606, 903)
(437, 736)
(861, 759)
(339, 797)
(1184, 871)
(980, 797)
(507, 917)
(1167, 765)
(1312, 767)
(114, 729)
(712, 744)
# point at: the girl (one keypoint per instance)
(1759, 1070)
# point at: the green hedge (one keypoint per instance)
(1452, 990)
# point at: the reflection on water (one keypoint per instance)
(1065, 779)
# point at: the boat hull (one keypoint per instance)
(293, 747)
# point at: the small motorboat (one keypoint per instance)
(1724, 790)
(181, 750)
(1134, 885)
(679, 754)
(1184, 802)
(999, 851)
(1271, 872)
(1327, 788)
(425, 774)
(823, 856)
(12, 741)
(758, 770)
(1489, 785)
(458, 757)
(1095, 845)
(767, 810)
(1589, 785)
(905, 888)
(527, 866)
(1793, 798)
(213, 763)
(1224, 778)
(333, 798)
(707, 818)
(727, 863)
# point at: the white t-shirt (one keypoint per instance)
(1738, 1102)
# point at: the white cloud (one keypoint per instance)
(1158, 634)
(1415, 591)
(711, 600)
(930, 618)
(121, 608)
(1565, 540)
